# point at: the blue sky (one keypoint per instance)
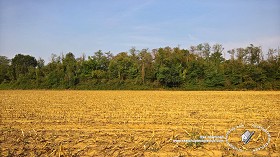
(40, 27)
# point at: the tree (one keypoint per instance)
(214, 71)
(217, 56)
(194, 72)
(54, 72)
(241, 55)
(146, 62)
(169, 71)
(119, 66)
(21, 63)
(271, 54)
(69, 63)
(206, 51)
(200, 67)
(39, 72)
(254, 54)
(232, 53)
(202, 50)
(4, 68)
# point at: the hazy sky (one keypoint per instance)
(42, 27)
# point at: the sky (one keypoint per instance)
(42, 27)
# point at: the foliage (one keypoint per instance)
(199, 68)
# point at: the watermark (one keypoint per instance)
(244, 138)
(198, 141)
(203, 139)
(227, 135)
(268, 138)
(253, 126)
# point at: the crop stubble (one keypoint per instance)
(131, 123)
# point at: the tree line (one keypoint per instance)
(200, 67)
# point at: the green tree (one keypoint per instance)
(39, 72)
(146, 63)
(69, 64)
(4, 68)
(214, 71)
(119, 66)
(54, 72)
(21, 63)
(254, 54)
(200, 67)
(241, 54)
(194, 73)
(169, 68)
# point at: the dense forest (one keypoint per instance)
(200, 67)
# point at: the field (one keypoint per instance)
(134, 123)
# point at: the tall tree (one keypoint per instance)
(39, 72)
(21, 63)
(4, 68)
(254, 54)
(119, 66)
(69, 63)
(146, 62)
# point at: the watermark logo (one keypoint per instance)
(247, 138)
(240, 138)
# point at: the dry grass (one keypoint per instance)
(131, 123)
